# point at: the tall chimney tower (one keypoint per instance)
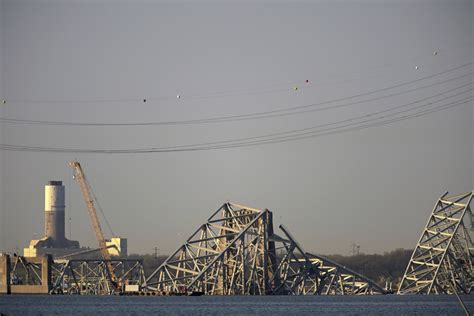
(54, 206)
(54, 241)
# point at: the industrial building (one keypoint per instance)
(117, 246)
(54, 241)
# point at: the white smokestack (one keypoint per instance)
(54, 206)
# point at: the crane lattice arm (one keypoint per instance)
(86, 192)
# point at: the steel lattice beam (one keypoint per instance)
(236, 252)
(443, 257)
(225, 256)
(91, 276)
(340, 280)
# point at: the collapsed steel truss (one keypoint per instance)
(78, 276)
(27, 272)
(340, 280)
(226, 255)
(236, 252)
(442, 261)
(91, 276)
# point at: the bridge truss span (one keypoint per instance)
(442, 262)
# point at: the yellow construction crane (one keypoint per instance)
(86, 192)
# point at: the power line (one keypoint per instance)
(267, 114)
(63, 150)
(338, 122)
(278, 87)
(324, 132)
(339, 130)
(365, 116)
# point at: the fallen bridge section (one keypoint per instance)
(43, 275)
(20, 275)
(442, 262)
(92, 276)
(237, 252)
(340, 280)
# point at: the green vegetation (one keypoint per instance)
(388, 267)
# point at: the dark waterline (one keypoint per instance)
(234, 305)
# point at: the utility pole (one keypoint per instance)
(355, 249)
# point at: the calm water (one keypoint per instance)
(268, 305)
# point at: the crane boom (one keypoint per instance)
(86, 192)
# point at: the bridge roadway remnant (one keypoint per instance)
(43, 275)
(35, 275)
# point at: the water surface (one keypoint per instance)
(233, 305)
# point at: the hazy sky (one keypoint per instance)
(374, 187)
